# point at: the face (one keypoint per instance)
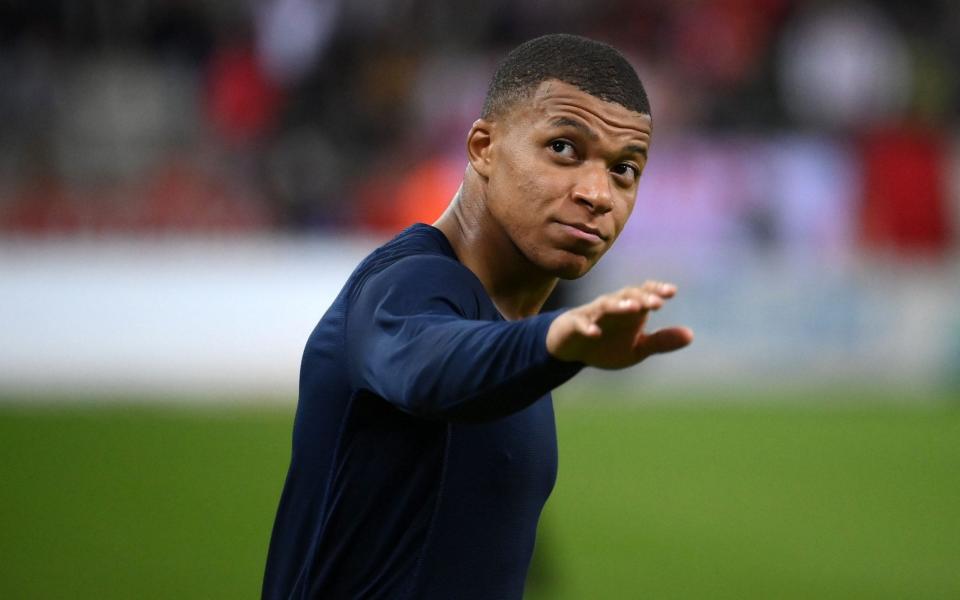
(562, 170)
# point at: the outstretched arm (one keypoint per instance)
(413, 340)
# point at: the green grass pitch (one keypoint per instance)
(767, 500)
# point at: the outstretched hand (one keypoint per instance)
(609, 331)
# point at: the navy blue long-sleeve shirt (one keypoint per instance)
(424, 444)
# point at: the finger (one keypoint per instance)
(628, 313)
(629, 300)
(643, 296)
(664, 340)
(645, 300)
(661, 288)
(616, 304)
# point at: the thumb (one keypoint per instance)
(565, 332)
(586, 326)
(664, 340)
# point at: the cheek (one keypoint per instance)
(541, 185)
(521, 188)
(530, 192)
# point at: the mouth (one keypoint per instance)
(584, 232)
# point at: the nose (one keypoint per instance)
(592, 189)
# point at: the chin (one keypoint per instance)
(570, 266)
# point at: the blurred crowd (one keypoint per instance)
(795, 124)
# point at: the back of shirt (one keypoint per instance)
(424, 444)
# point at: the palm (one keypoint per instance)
(615, 348)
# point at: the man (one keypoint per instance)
(424, 445)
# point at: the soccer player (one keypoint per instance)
(424, 444)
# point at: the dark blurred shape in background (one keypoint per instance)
(296, 114)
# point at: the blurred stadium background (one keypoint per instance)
(185, 185)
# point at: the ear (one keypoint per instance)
(479, 146)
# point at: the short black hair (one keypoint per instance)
(596, 68)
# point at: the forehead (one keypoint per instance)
(555, 99)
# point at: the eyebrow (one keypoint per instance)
(568, 122)
(634, 149)
(590, 133)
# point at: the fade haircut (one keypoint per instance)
(594, 67)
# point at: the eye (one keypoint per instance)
(627, 170)
(563, 148)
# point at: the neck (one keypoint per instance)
(516, 286)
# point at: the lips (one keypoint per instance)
(584, 232)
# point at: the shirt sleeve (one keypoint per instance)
(412, 338)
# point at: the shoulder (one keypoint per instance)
(425, 277)
(417, 267)
(417, 241)
(426, 268)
